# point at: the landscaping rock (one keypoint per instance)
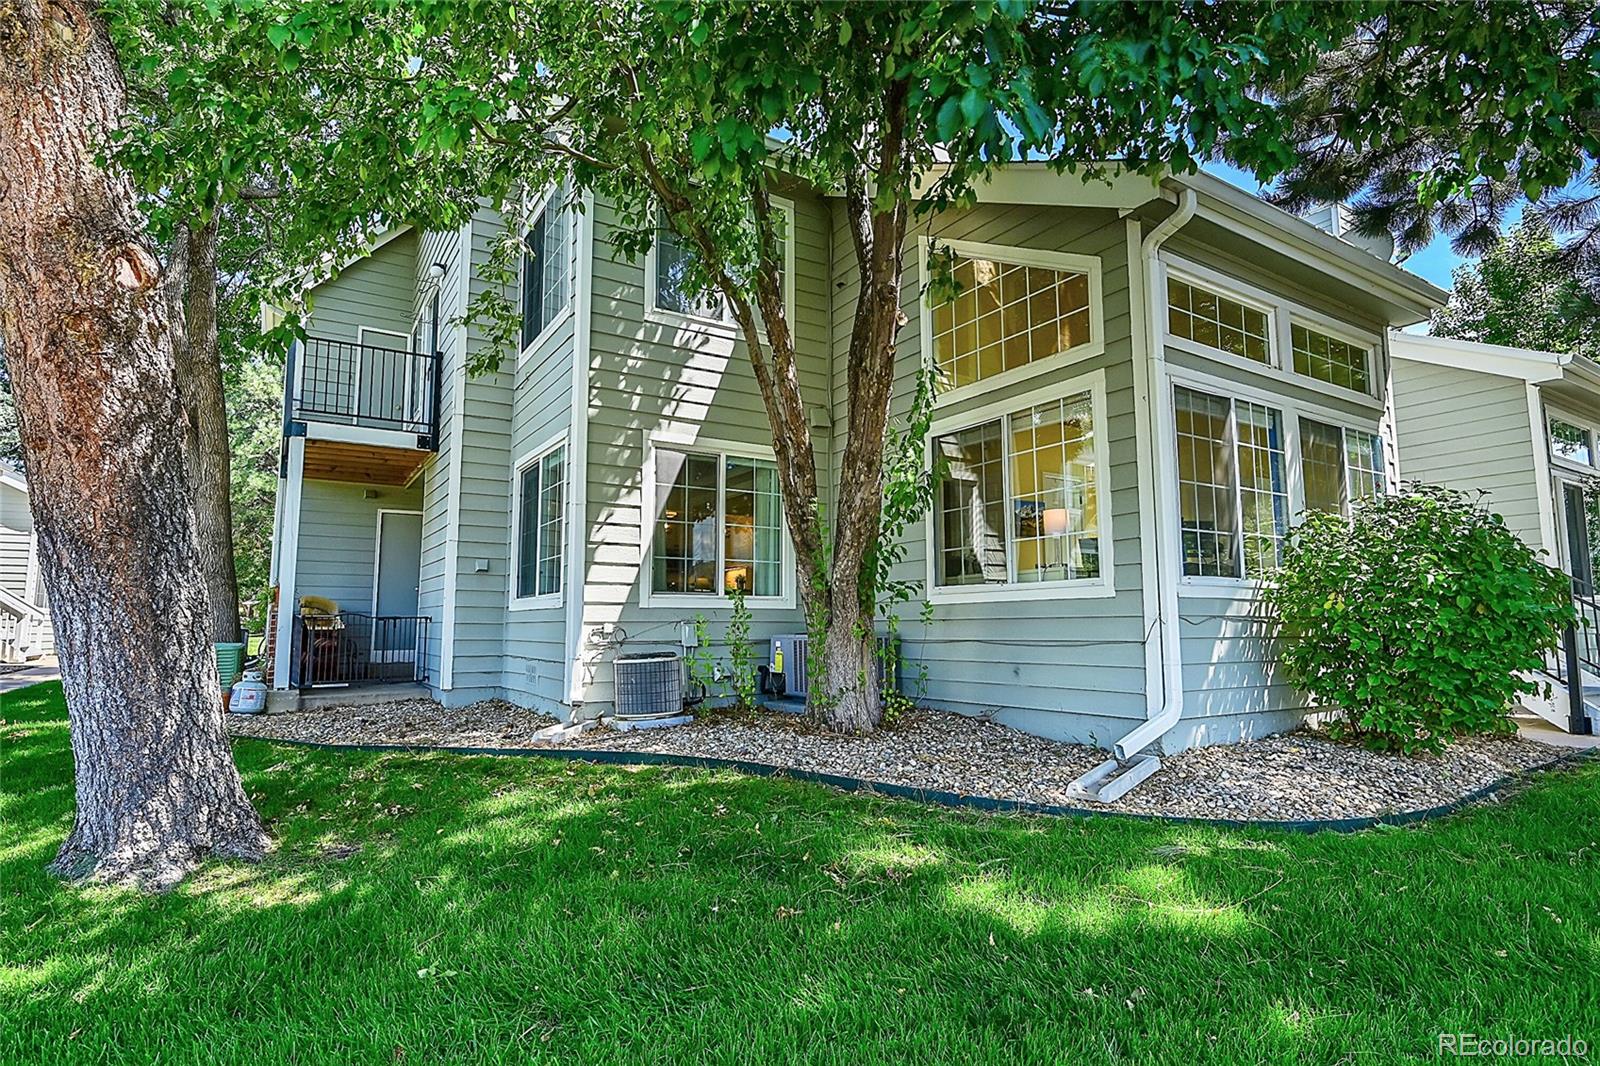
(1292, 776)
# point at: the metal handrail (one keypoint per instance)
(364, 385)
(354, 648)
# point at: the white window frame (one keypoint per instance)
(723, 450)
(545, 200)
(1088, 265)
(1281, 313)
(1561, 463)
(722, 327)
(1103, 586)
(1290, 409)
(522, 463)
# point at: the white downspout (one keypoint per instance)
(1165, 532)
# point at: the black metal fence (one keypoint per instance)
(366, 385)
(349, 648)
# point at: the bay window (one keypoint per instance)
(718, 525)
(1020, 500)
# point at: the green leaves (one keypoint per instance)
(1419, 618)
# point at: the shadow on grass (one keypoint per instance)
(482, 909)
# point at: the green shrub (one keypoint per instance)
(1417, 619)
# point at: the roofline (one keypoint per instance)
(1233, 204)
(1526, 364)
(325, 271)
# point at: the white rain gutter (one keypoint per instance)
(1116, 777)
(1171, 710)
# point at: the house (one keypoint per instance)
(25, 631)
(1520, 426)
(1143, 385)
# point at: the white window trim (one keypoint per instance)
(723, 449)
(723, 327)
(1291, 410)
(1281, 315)
(1088, 265)
(1070, 588)
(1559, 463)
(522, 463)
(546, 198)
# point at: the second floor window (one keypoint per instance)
(1216, 321)
(674, 264)
(1570, 442)
(1006, 316)
(1329, 359)
(546, 268)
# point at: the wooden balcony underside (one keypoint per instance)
(332, 460)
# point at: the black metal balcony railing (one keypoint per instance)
(1579, 655)
(350, 648)
(364, 385)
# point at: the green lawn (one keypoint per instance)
(503, 910)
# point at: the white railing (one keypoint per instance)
(19, 626)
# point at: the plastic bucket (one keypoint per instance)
(230, 663)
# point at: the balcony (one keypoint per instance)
(368, 413)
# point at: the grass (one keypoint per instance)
(502, 910)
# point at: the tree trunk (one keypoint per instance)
(89, 351)
(206, 419)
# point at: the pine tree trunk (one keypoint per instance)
(205, 406)
(89, 351)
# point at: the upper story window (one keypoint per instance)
(1233, 495)
(671, 262)
(1020, 501)
(546, 267)
(718, 525)
(540, 524)
(1339, 464)
(1325, 358)
(1015, 308)
(1571, 442)
(1218, 321)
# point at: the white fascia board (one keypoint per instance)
(1522, 364)
(1225, 202)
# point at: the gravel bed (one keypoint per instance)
(487, 724)
(1300, 775)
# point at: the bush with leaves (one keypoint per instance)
(1417, 619)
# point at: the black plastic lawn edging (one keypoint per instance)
(954, 799)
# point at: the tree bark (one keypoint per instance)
(88, 346)
(205, 406)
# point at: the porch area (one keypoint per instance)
(360, 426)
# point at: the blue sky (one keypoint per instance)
(1435, 262)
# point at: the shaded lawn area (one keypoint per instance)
(522, 909)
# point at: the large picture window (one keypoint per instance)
(1233, 495)
(1009, 314)
(1020, 500)
(546, 268)
(718, 525)
(541, 522)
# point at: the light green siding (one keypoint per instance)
(338, 539)
(1070, 668)
(442, 247)
(1472, 431)
(376, 292)
(648, 376)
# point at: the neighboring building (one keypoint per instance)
(25, 631)
(1520, 426)
(1144, 385)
